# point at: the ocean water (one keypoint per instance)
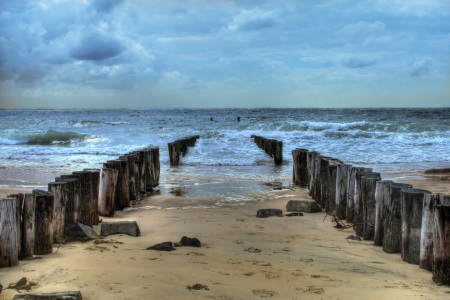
(38, 145)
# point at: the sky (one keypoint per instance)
(224, 53)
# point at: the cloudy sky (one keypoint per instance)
(224, 53)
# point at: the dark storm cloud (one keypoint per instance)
(96, 46)
(177, 51)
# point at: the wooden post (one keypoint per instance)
(277, 150)
(73, 197)
(174, 153)
(392, 240)
(107, 191)
(131, 163)
(341, 189)
(28, 232)
(43, 237)
(441, 242)
(156, 167)
(411, 208)
(300, 172)
(359, 208)
(85, 207)
(313, 172)
(426, 237)
(60, 193)
(122, 195)
(368, 187)
(8, 233)
(19, 205)
(381, 197)
(350, 213)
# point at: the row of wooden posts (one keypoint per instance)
(180, 147)
(31, 223)
(272, 147)
(396, 216)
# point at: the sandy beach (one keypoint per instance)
(242, 257)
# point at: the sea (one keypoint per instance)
(38, 145)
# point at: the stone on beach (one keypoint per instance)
(188, 242)
(309, 206)
(269, 212)
(123, 227)
(80, 232)
(164, 246)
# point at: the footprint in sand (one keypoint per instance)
(264, 293)
(261, 263)
(312, 289)
(253, 250)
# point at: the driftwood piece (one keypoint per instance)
(107, 192)
(368, 187)
(60, 193)
(123, 227)
(342, 172)
(9, 254)
(392, 240)
(43, 235)
(28, 231)
(411, 208)
(51, 296)
(441, 244)
(382, 194)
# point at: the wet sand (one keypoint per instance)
(242, 257)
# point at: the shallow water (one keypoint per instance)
(37, 146)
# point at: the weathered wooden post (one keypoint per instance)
(300, 172)
(8, 233)
(107, 191)
(28, 232)
(359, 208)
(174, 153)
(122, 195)
(441, 244)
(73, 197)
(155, 166)
(43, 237)
(368, 187)
(60, 193)
(277, 149)
(426, 237)
(350, 213)
(19, 205)
(411, 208)
(381, 197)
(86, 204)
(131, 163)
(392, 240)
(341, 189)
(313, 172)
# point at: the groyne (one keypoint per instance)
(272, 147)
(31, 223)
(396, 216)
